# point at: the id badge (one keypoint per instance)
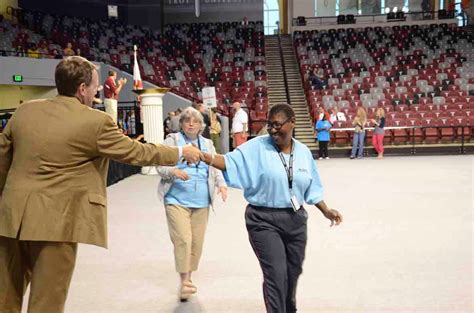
(294, 203)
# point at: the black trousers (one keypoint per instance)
(323, 149)
(278, 238)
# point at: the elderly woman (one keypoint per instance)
(187, 191)
(278, 175)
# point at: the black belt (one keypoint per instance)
(268, 209)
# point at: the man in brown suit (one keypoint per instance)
(53, 167)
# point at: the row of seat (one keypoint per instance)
(186, 57)
(413, 130)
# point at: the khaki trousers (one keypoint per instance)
(187, 228)
(47, 265)
(111, 108)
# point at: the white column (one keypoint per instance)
(152, 118)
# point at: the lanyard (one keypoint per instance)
(188, 140)
(289, 167)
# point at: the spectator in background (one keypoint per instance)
(44, 52)
(78, 52)
(68, 51)
(174, 121)
(322, 128)
(55, 54)
(111, 93)
(166, 123)
(207, 122)
(215, 129)
(239, 125)
(317, 79)
(187, 191)
(336, 115)
(33, 52)
(379, 132)
(359, 133)
(20, 52)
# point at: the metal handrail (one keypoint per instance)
(284, 69)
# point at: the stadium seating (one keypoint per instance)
(186, 57)
(422, 75)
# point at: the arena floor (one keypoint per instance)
(406, 245)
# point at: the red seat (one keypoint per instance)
(415, 134)
(400, 136)
(448, 130)
(431, 133)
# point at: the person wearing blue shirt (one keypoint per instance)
(322, 128)
(187, 191)
(277, 174)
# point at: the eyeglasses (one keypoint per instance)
(277, 125)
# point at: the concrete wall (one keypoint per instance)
(214, 12)
(4, 4)
(38, 82)
(148, 12)
(325, 8)
(302, 7)
(12, 96)
(135, 12)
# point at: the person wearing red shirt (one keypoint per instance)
(111, 93)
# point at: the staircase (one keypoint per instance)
(274, 69)
(304, 128)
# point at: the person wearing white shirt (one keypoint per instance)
(239, 125)
(336, 115)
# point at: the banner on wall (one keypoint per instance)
(112, 10)
(209, 97)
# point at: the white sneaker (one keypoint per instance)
(327, 158)
(320, 158)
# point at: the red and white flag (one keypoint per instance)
(137, 78)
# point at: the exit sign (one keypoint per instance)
(18, 78)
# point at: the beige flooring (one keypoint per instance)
(406, 245)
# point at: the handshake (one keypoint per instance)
(192, 154)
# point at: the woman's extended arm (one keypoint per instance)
(214, 160)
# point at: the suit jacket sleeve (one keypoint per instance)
(6, 153)
(111, 143)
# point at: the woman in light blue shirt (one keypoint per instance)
(277, 174)
(187, 191)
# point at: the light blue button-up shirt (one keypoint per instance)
(194, 192)
(323, 135)
(256, 168)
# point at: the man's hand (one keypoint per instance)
(180, 174)
(192, 154)
(223, 192)
(333, 215)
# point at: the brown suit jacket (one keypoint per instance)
(53, 168)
